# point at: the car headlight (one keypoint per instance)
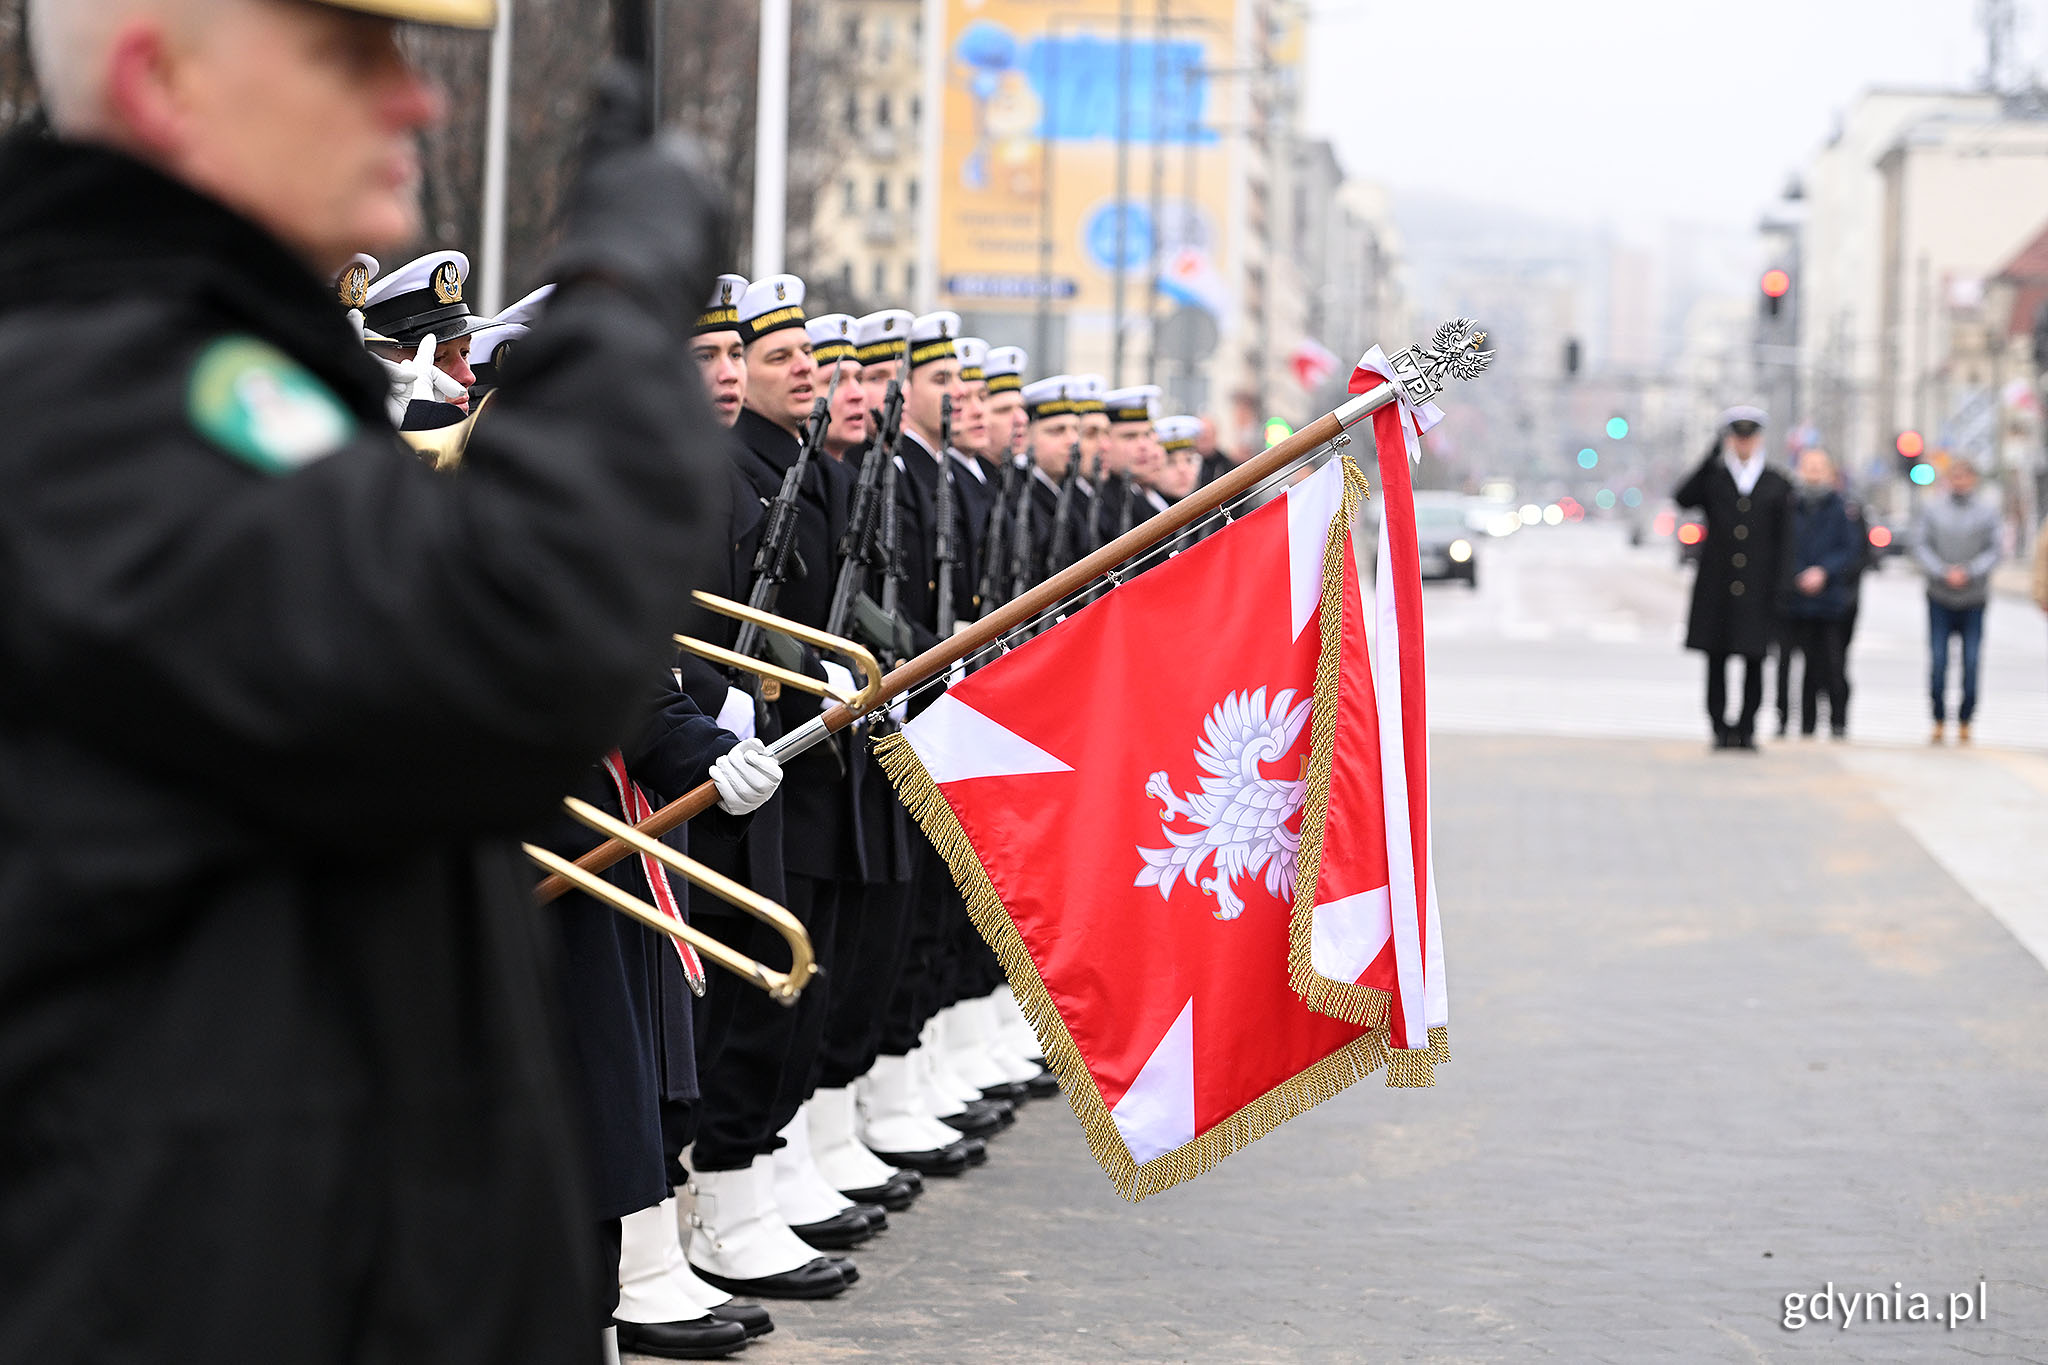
(1461, 550)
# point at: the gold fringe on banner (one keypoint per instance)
(1341, 1069)
(1353, 1003)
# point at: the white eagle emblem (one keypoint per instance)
(1241, 817)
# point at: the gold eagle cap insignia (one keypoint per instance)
(447, 283)
(355, 286)
(725, 292)
(781, 291)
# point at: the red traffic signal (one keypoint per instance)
(1776, 284)
(1910, 445)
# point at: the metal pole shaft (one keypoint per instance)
(497, 115)
(1157, 204)
(1042, 353)
(771, 139)
(1123, 189)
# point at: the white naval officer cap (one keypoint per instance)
(510, 325)
(1003, 367)
(1136, 404)
(771, 305)
(422, 296)
(1085, 391)
(1743, 412)
(878, 338)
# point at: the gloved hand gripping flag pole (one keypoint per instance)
(1418, 375)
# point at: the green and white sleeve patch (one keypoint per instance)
(263, 407)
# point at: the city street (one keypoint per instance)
(1726, 1028)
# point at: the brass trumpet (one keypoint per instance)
(783, 987)
(869, 667)
(442, 447)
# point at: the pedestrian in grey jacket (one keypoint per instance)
(1955, 543)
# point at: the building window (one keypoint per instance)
(845, 278)
(881, 283)
(885, 40)
(916, 109)
(853, 31)
(852, 112)
(910, 193)
(881, 193)
(910, 280)
(852, 198)
(882, 112)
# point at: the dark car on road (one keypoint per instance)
(1445, 538)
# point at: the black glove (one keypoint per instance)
(641, 216)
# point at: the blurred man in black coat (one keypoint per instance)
(1746, 506)
(280, 1075)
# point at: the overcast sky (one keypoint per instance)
(1626, 112)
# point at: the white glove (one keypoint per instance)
(839, 676)
(746, 775)
(736, 717)
(410, 379)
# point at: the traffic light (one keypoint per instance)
(1912, 448)
(1776, 284)
(1277, 430)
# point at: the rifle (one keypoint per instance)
(1062, 550)
(857, 547)
(778, 536)
(892, 542)
(946, 506)
(995, 555)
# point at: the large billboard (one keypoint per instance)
(1038, 96)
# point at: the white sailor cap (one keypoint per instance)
(1049, 397)
(770, 305)
(1003, 367)
(422, 296)
(973, 353)
(831, 338)
(722, 310)
(1742, 412)
(932, 337)
(879, 336)
(445, 13)
(1178, 433)
(1133, 404)
(510, 325)
(1086, 392)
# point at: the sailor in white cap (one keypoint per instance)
(835, 356)
(491, 344)
(1004, 370)
(1129, 458)
(719, 350)
(424, 298)
(879, 341)
(1180, 463)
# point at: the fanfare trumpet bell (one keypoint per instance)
(782, 986)
(870, 668)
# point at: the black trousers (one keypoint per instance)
(1824, 646)
(921, 983)
(610, 1246)
(1717, 692)
(874, 939)
(749, 1043)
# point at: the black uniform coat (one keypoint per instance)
(280, 1071)
(1743, 561)
(625, 999)
(975, 484)
(752, 858)
(820, 833)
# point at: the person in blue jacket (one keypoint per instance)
(1816, 601)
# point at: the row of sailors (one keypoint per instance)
(738, 1145)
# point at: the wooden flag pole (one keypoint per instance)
(1454, 352)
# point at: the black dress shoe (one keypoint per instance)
(977, 1150)
(751, 1316)
(705, 1338)
(876, 1214)
(843, 1230)
(1043, 1086)
(978, 1119)
(816, 1279)
(895, 1196)
(847, 1268)
(948, 1160)
(1015, 1092)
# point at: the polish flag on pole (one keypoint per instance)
(1313, 364)
(1126, 801)
(1367, 947)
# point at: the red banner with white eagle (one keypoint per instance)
(1134, 804)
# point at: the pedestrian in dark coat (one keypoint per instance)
(1825, 556)
(1746, 507)
(280, 1071)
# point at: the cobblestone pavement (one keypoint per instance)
(1723, 1031)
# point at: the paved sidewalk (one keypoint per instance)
(1723, 1031)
